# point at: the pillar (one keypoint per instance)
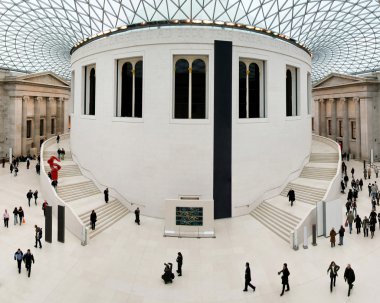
(14, 121)
(358, 133)
(316, 116)
(58, 116)
(37, 118)
(25, 100)
(346, 131)
(366, 129)
(322, 115)
(49, 105)
(333, 119)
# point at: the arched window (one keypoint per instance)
(181, 84)
(292, 106)
(198, 89)
(190, 88)
(126, 89)
(251, 89)
(129, 88)
(89, 103)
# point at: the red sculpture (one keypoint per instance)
(54, 168)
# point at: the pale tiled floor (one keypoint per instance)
(125, 263)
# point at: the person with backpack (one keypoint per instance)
(18, 257)
(38, 236)
(28, 259)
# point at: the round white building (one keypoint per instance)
(219, 113)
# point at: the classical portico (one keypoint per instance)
(35, 108)
(346, 110)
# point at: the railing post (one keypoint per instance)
(84, 236)
(305, 238)
(294, 240)
(314, 235)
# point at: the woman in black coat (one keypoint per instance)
(179, 263)
(358, 224)
(93, 219)
(284, 278)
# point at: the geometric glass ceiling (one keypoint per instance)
(343, 36)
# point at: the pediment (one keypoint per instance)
(44, 78)
(337, 79)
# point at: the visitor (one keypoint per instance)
(44, 206)
(333, 269)
(352, 172)
(38, 168)
(11, 168)
(349, 277)
(137, 216)
(292, 196)
(3, 161)
(284, 278)
(332, 237)
(344, 168)
(29, 195)
(18, 257)
(15, 216)
(179, 264)
(20, 214)
(93, 219)
(38, 236)
(59, 153)
(16, 171)
(348, 207)
(345, 179)
(247, 278)
(58, 138)
(63, 153)
(28, 259)
(365, 226)
(369, 189)
(375, 169)
(358, 224)
(27, 163)
(6, 218)
(361, 184)
(35, 195)
(106, 197)
(341, 234)
(350, 220)
(342, 186)
(349, 195)
(369, 172)
(168, 275)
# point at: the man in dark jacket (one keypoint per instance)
(93, 219)
(29, 195)
(179, 264)
(106, 198)
(349, 277)
(137, 215)
(248, 278)
(341, 234)
(284, 278)
(18, 258)
(38, 236)
(28, 259)
(292, 196)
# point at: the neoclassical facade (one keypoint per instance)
(34, 107)
(346, 109)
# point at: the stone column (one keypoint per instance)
(49, 102)
(366, 129)
(322, 115)
(333, 119)
(25, 100)
(58, 116)
(63, 118)
(358, 133)
(346, 131)
(14, 121)
(37, 118)
(316, 116)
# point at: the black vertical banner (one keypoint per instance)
(48, 224)
(61, 224)
(222, 128)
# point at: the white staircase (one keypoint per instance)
(306, 194)
(77, 191)
(107, 214)
(324, 157)
(278, 221)
(49, 153)
(67, 171)
(318, 173)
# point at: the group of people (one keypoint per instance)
(30, 195)
(349, 276)
(168, 275)
(28, 259)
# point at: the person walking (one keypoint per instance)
(58, 138)
(358, 224)
(247, 278)
(341, 234)
(27, 163)
(44, 206)
(93, 219)
(35, 195)
(15, 216)
(333, 269)
(349, 277)
(284, 278)
(137, 216)
(63, 153)
(345, 179)
(349, 195)
(378, 218)
(29, 195)
(365, 226)
(28, 259)
(11, 168)
(361, 184)
(18, 257)
(38, 236)
(292, 196)
(179, 264)
(38, 168)
(106, 197)
(376, 169)
(352, 172)
(16, 171)
(350, 220)
(6, 218)
(342, 187)
(369, 172)
(21, 214)
(332, 237)
(372, 228)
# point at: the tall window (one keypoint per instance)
(329, 127)
(89, 90)
(292, 106)
(190, 88)
(353, 130)
(251, 89)
(340, 126)
(53, 125)
(28, 129)
(42, 127)
(130, 88)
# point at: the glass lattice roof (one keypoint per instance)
(37, 35)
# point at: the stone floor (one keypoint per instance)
(125, 263)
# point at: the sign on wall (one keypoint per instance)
(189, 216)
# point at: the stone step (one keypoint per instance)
(324, 158)
(78, 196)
(107, 211)
(107, 223)
(268, 225)
(87, 213)
(277, 218)
(294, 219)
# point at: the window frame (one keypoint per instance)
(42, 127)
(86, 90)
(353, 129)
(340, 128)
(52, 125)
(29, 130)
(296, 106)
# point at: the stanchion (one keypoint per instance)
(314, 235)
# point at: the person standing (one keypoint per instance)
(345, 179)
(361, 184)
(350, 219)
(375, 169)
(137, 216)
(284, 278)
(11, 168)
(29, 195)
(333, 269)
(58, 138)
(27, 163)
(332, 237)
(6, 218)
(21, 214)
(38, 236)
(349, 277)
(15, 216)
(352, 172)
(28, 259)
(341, 234)
(292, 196)
(247, 278)
(358, 224)
(38, 168)
(18, 257)
(179, 264)
(365, 226)
(35, 195)
(106, 197)
(44, 206)
(93, 219)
